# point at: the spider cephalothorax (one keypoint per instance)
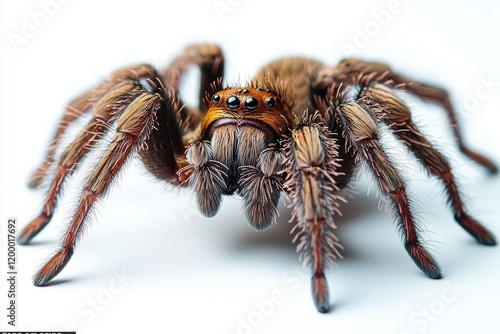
(299, 128)
(237, 135)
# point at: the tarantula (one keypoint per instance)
(299, 127)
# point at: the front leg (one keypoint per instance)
(311, 161)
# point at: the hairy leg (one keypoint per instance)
(351, 71)
(75, 109)
(311, 161)
(135, 123)
(105, 111)
(209, 58)
(398, 116)
(361, 129)
(82, 105)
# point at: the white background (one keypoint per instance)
(180, 272)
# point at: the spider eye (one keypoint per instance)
(251, 103)
(233, 102)
(215, 99)
(271, 101)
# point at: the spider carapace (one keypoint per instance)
(299, 128)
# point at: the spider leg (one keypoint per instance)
(105, 111)
(78, 107)
(349, 70)
(398, 116)
(362, 131)
(133, 126)
(311, 159)
(210, 60)
(74, 110)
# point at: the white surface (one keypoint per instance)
(189, 274)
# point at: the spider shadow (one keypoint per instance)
(42, 242)
(59, 282)
(279, 238)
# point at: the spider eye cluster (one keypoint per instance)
(250, 102)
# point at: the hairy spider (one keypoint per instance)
(299, 127)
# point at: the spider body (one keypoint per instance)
(299, 127)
